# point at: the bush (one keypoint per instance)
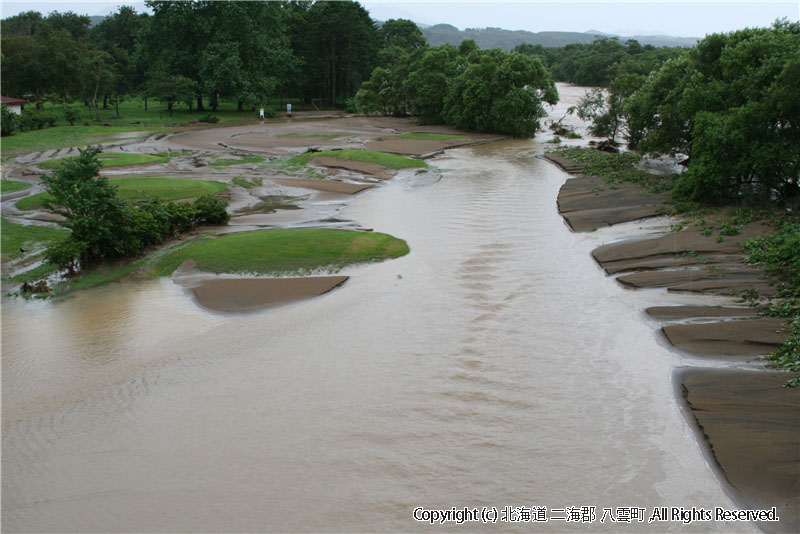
(150, 224)
(66, 254)
(36, 120)
(182, 216)
(72, 115)
(211, 210)
(209, 118)
(8, 121)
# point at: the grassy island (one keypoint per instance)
(284, 251)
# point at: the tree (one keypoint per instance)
(117, 35)
(90, 206)
(428, 83)
(499, 92)
(171, 89)
(337, 47)
(731, 106)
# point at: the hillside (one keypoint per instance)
(440, 34)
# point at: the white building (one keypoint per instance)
(13, 104)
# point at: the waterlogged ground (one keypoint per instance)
(493, 366)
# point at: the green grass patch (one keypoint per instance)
(312, 135)
(112, 160)
(284, 251)
(16, 236)
(225, 162)
(132, 118)
(617, 168)
(432, 137)
(10, 186)
(247, 183)
(142, 188)
(40, 272)
(393, 161)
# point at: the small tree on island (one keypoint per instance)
(106, 227)
(91, 208)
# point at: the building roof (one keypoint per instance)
(11, 101)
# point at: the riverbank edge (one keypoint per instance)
(725, 425)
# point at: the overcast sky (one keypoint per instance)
(681, 18)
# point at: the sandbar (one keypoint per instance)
(244, 294)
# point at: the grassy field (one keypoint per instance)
(432, 137)
(10, 186)
(284, 251)
(133, 119)
(393, 161)
(16, 236)
(112, 160)
(141, 188)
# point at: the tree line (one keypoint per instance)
(193, 52)
(728, 108)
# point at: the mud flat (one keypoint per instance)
(750, 423)
(751, 426)
(245, 294)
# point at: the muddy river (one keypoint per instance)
(495, 365)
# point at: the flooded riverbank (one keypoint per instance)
(492, 366)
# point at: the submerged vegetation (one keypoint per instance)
(617, 168)
(289, 251)
(392, 161)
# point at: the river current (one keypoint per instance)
(495, 365)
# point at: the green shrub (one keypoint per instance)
(9, 121)
(150, 224)
(66, 254)
(182, 216)
(72, 115)
(211, 210)
(209, 118)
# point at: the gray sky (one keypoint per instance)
(681, 18)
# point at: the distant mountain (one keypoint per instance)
(440, 34)
(95, 20)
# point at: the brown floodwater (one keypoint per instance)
(495, 365)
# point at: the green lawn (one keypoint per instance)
(393, 161)
(108, 159)
(15, 236)
(432, 137)
(133, 118)
(10, 186)
(284, 251)
(141, 188)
